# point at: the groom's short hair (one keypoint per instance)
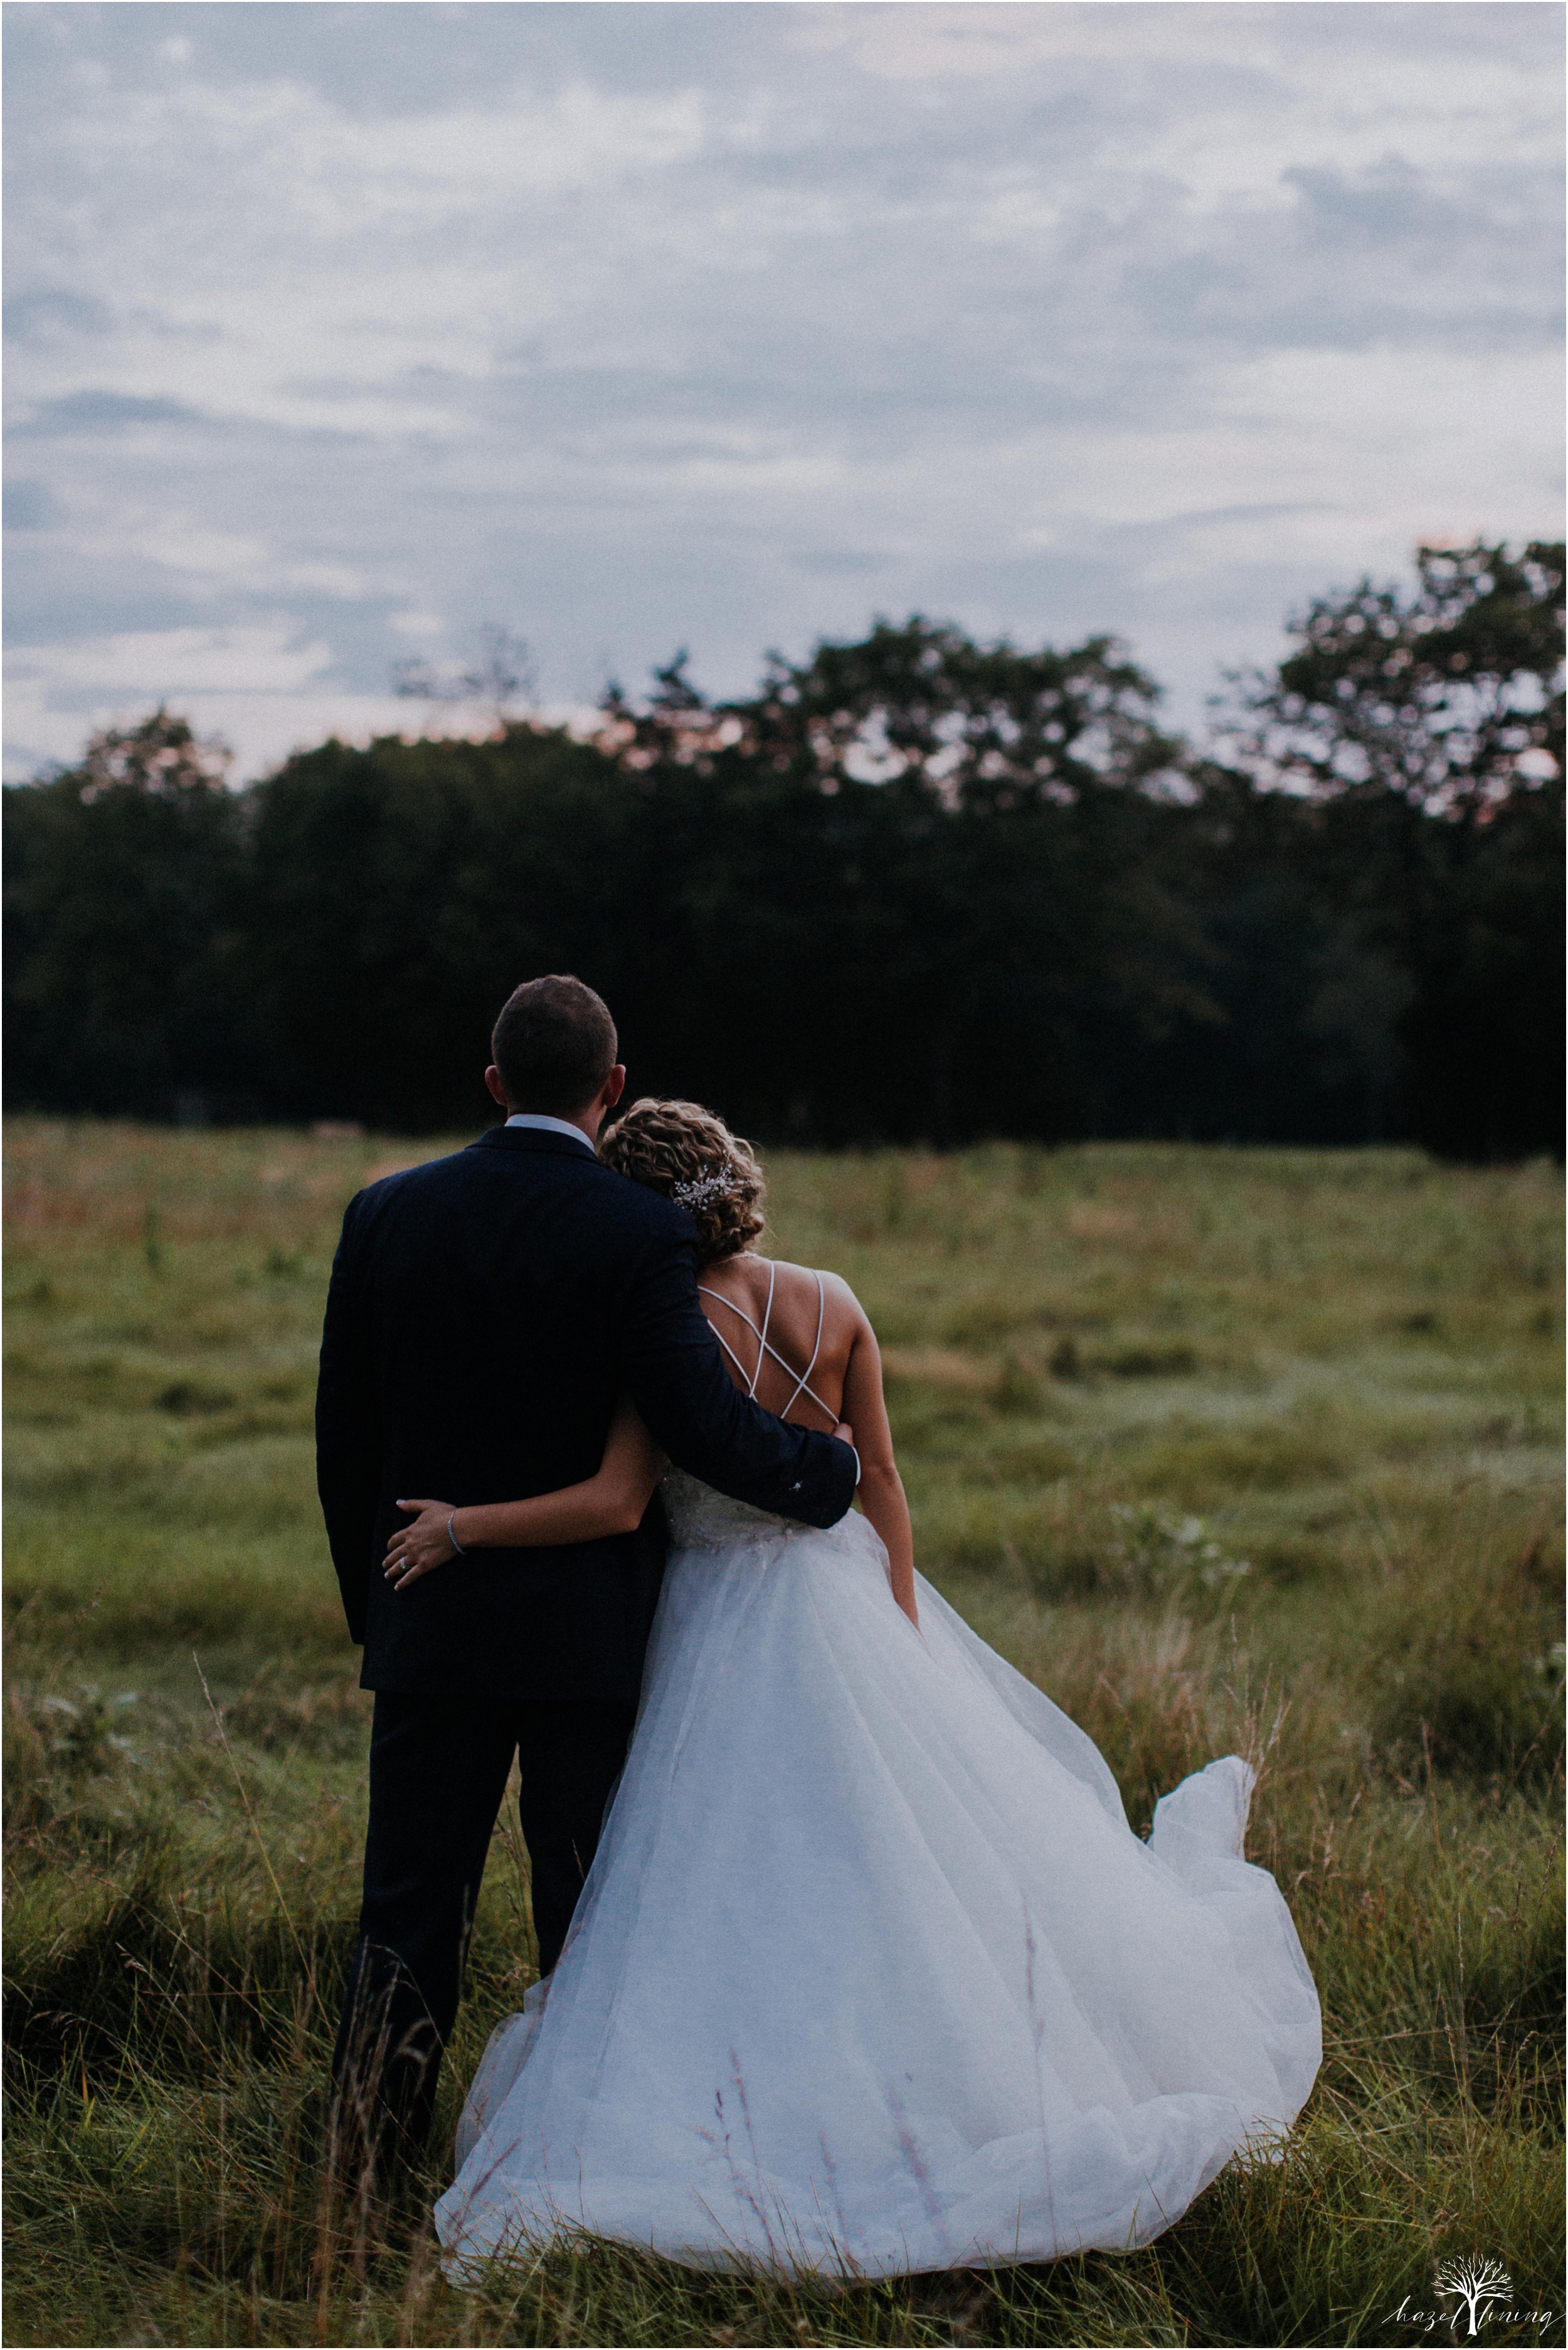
(554, 1044)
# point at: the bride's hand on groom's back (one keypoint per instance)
(427, 1542)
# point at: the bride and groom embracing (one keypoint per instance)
(850, 1962)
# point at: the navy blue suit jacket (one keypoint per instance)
(485, 1314)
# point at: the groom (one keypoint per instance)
(485, 1312)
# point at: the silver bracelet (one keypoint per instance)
(452, 1538)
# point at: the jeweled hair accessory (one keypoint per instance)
(699, 1189)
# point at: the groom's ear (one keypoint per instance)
(497, 1085)
(614, 1086)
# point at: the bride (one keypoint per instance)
(869, 1974)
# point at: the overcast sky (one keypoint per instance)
(337, 332)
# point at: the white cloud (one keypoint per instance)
(343, 329)
(266, 695)
(261, 691)
(429, 167)
(180, 661)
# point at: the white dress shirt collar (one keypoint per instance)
(551, 1125)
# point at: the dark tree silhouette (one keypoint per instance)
(1424, 733)
(917, 888)
(1450, 698)
(125, 930)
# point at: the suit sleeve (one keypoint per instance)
(349, 1428)
(675, 1370)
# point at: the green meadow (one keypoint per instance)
(1229, 1450)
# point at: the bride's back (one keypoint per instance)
(811, 1320)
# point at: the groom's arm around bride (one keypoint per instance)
(486, 1310)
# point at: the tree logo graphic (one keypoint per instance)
(1474, 2283)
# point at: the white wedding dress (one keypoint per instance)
(870, 1974)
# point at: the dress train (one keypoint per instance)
(870, 1974)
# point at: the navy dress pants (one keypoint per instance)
(438, 1773)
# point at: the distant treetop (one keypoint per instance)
(1450, 696)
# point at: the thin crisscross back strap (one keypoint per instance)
(800, 1386)
(801, 1379)
(764, 1349)
(763, 1333)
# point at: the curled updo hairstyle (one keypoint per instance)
(680, 1147)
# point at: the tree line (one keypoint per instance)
(915, 888)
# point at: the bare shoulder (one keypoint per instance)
(843, 1304)
(839, 1290)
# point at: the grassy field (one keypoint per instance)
(1228, 1449)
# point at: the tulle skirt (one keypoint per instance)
(870, 1974)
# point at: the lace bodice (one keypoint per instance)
(701, 1519)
